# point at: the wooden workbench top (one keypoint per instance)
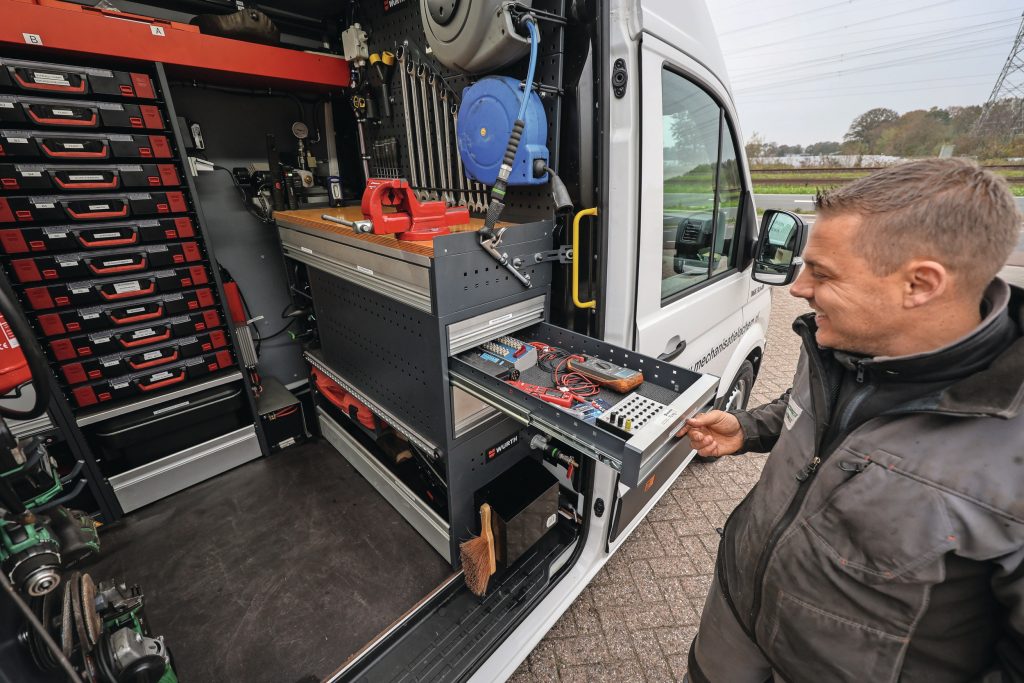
(310, 218)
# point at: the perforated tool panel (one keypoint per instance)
(390, 29)
(389, 350)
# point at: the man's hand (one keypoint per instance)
(714, 433)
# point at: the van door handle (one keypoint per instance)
(671, 355)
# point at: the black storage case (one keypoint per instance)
(130, 441)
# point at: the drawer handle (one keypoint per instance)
(101, 154)
(47, 121)
(129, 295)
(71, 185)
(576, 259)
(145, 341)
(120, 241)
(119, 213)
(127, 268)
(164, 383)
(29, 85)
(156, 361)
(137, 318)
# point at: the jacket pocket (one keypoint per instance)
(883, 527)
(823, 646)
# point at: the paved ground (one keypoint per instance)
(636, 620)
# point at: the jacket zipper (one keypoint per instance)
(803, 476)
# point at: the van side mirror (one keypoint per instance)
(779, 245)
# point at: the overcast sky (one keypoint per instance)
(801, 70)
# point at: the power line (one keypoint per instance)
(871, 52)
(799, 15)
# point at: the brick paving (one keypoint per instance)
(636, 620)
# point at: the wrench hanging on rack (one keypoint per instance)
(458, 184)
(421, 74)
(419, 140)
(443, 152)
(410, 147)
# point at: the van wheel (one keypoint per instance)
(736, 397)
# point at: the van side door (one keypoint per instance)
(690, 291)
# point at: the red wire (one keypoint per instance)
(574, 381)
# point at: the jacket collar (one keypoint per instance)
(994, 389)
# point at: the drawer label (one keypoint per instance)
(168, 409)
(106, 235)
(118, 262)
(18, 141)
(101, 340)
(81, 178)
(44, 78)
(160, 375)
(495, 321)
(90, 316)
(133, 311)
(99, 207)
(67, 264)
(43, 205)
(63, 112)
(151, 355)
(31, 174)
(110, 363)
(79, 290)
(122, 287)
(6, 105)
(140, 334)
(71, 145)
(364, 271)
(119, 385)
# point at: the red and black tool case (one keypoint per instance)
(113, 289)
(44, 78)
(104, 262)
(149, 382)
(54, 238)
(63, 177)
(50, 112)
(93, 207)
(64, 146)
(119, 315)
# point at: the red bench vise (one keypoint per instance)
(411, 219)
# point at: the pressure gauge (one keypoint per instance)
(300, 130)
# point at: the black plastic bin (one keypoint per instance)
(129, 441)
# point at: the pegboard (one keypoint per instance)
(390, 351)
(387, 30)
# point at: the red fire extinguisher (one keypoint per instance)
(14, 369)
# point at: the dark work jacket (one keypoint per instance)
(884, 540)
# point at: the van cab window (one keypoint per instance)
(702, 187)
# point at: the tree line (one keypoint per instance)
(919, 133)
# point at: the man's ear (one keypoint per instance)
(924, 281)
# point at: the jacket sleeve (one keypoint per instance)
(762, 425)
(1008, 588)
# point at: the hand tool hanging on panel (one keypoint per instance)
(357, 52)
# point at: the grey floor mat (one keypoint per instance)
(276, 571)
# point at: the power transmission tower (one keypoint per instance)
(1009, 86)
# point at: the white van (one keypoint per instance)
(658, 274)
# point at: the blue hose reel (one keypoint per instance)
(486, 116)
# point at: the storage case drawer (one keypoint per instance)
(60, 146)
(679, 392)
(85, 292)
(148, 382)
(95, 235)
(122, 315)
(142, 359)
(133, 337)
(46, 78)
(46, 112)
(25, 209)
(106, 262)
(74, 177)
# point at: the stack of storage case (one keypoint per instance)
(97, 233)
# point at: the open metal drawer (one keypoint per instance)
(682, 391)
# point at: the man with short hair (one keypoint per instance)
(884, 540)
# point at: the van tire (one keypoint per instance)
(736, 398)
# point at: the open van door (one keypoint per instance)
(691, 288)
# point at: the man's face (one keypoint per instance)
(856, 310)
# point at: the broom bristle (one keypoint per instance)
(476, 564)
